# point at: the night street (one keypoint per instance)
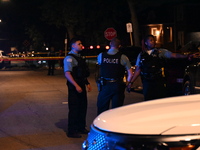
(160, 39)
(33, 110)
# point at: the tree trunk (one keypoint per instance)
(68, 37)
(70, 32)
(136, 32)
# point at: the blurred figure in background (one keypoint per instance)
(51, 62)
(61, 60)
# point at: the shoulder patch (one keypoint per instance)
(69, 59)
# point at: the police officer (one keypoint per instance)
(76, 73)
(112, 70)
(150, 64)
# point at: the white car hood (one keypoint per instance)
(168, 116)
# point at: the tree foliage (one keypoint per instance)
(87, 18)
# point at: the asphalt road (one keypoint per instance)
(34, 108)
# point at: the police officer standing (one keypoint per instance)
(112, 69)
(150, 63)
(76, 72)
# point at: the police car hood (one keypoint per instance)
(168, 116)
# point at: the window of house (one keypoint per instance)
(169, 34)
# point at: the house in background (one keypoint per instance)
(176, 26)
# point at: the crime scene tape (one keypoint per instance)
(37, 58)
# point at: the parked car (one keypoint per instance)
(4, 60)
(174, 73)
(163, 124)
(191, 80)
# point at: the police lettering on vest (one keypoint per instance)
(110, 61)
(109, 65)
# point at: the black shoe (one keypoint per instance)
(74, 135)
(84, 131)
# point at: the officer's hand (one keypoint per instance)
(128, 87)
(88, 87)
(79, 89)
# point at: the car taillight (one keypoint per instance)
(189, 147)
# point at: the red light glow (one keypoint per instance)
(107, 47)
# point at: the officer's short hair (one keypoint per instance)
(74, 40)
(115, 42)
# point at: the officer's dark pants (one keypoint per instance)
(154, 89)
(111, 91)
(77, 103)
(51, 65)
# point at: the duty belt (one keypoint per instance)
(151, 75)
(111, 79)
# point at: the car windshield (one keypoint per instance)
(191, 47)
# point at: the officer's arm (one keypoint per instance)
(134, 77)
(169, 54)
(99, 59)
(125, 62)
(136, 74)
(130, 74)
(176, 55)
(72, 81)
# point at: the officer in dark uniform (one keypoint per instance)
(112, 70)
(150, 65)
(76, 71)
